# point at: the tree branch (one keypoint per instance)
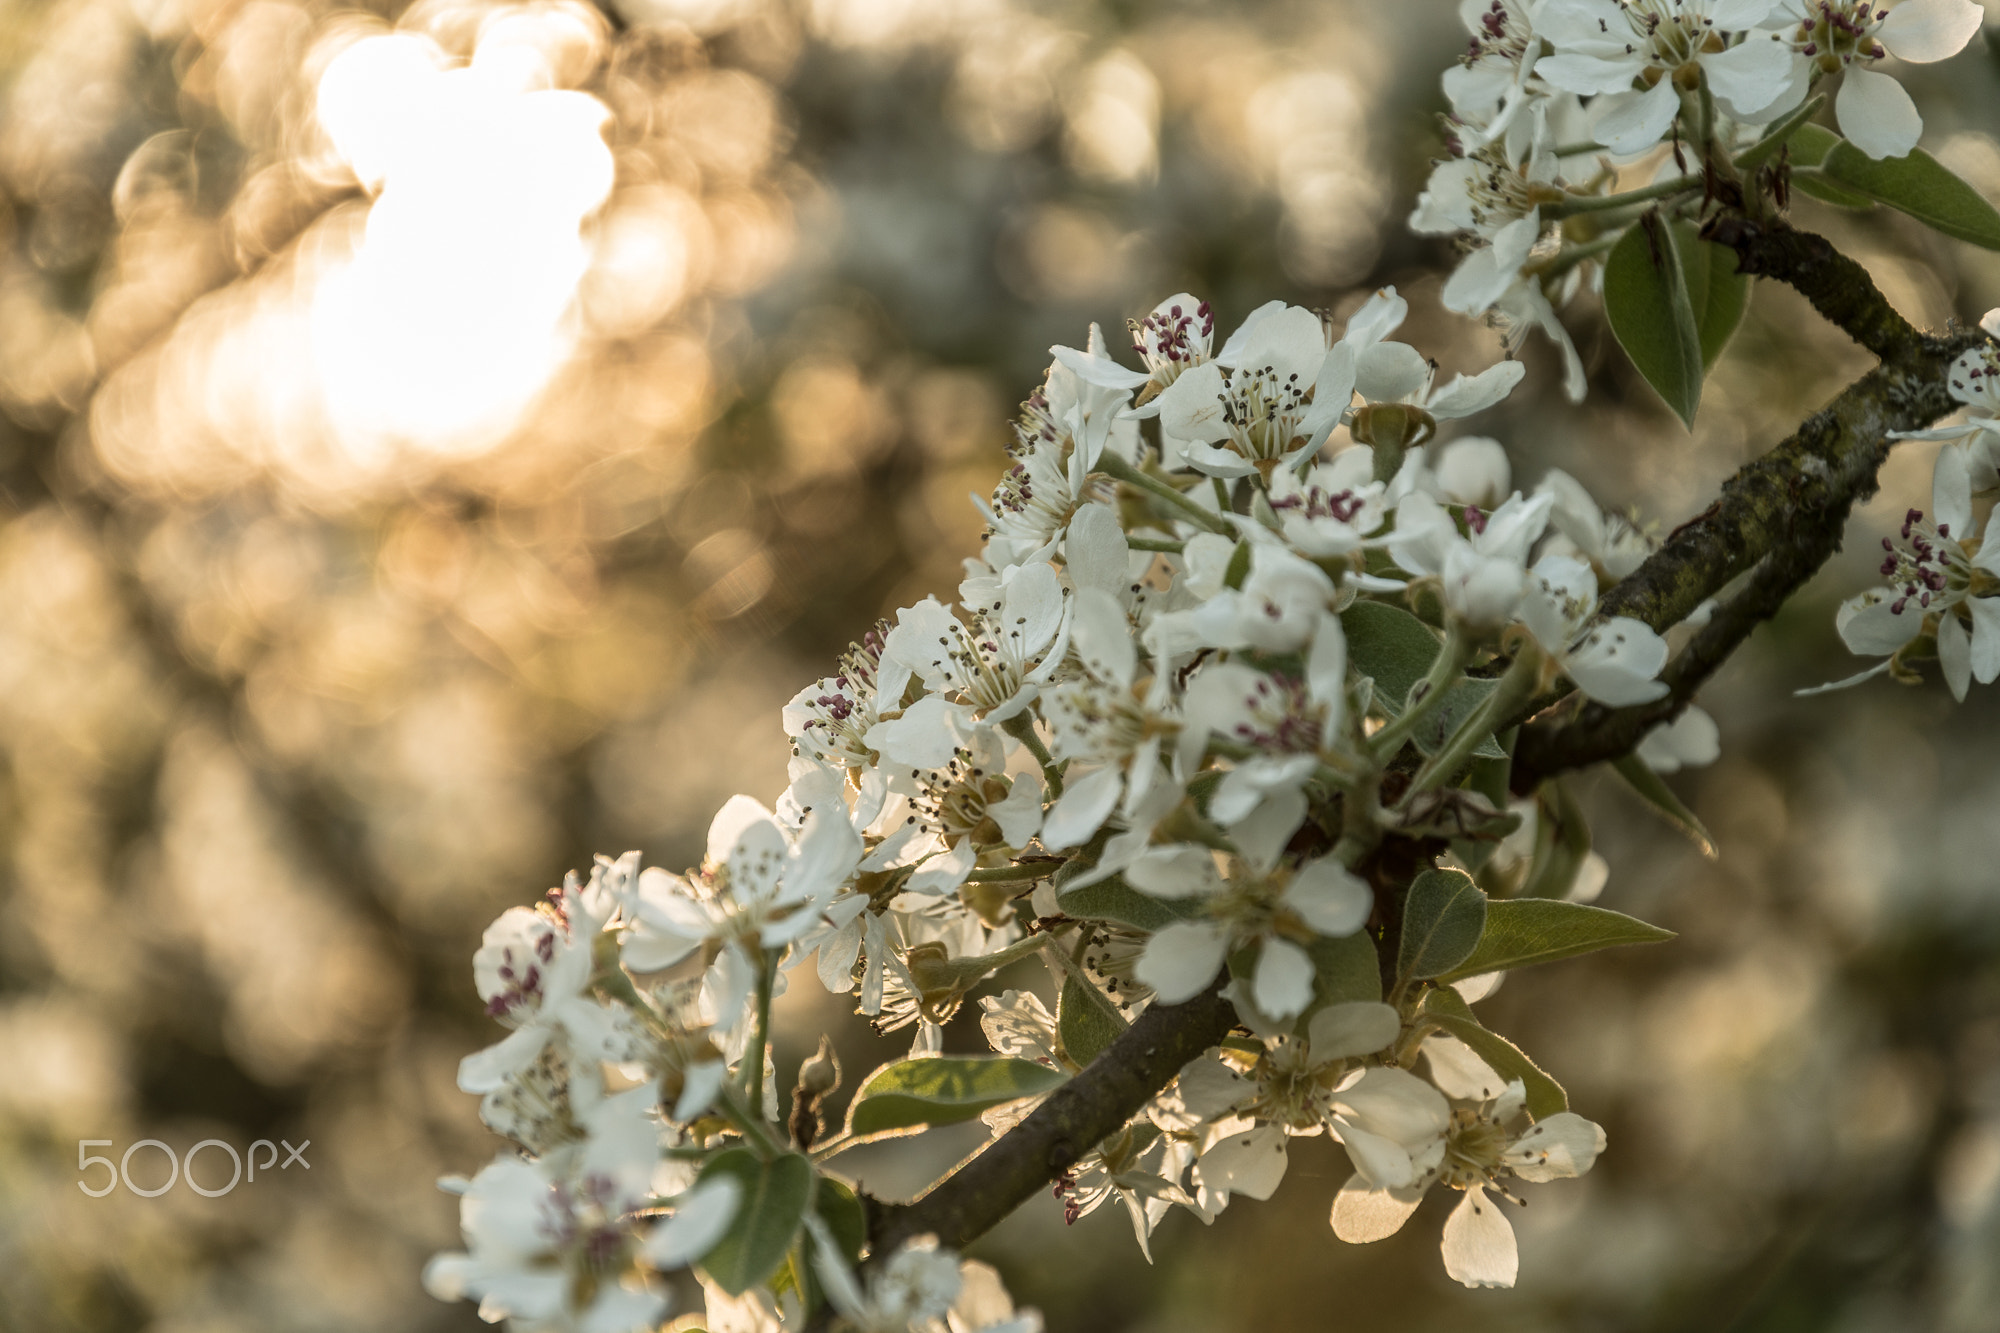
(1078, 1116)
(1783, 513)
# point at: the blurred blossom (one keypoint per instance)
(1113, 120)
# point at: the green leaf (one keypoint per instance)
(1757, 154)
(775, 1196)
(1562, 843)
(1344, 970)
(1654, 791)
(1919, 185)
(1460, 702)
(1395, 649)
(1115, 900)
(1238, 568)
(943, 1090)
(1444, 1007)
(1443, 917)
(846, 1217)
(1521, 932)
(1646, 302)
(1086, 1020)
(1810, 145)
(1717, 292)
(1390, 645)
(841, 1209)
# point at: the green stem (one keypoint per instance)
(1021, 727)
(1572, 149)
(1360, 825)
(1513, 689)
(1570, 257)
(1780, 134)
(760, 1038)
(1444, 673)
(1155, 544)
(1111, 465)
(1598, 203)
(747, 1123)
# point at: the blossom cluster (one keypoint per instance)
(1239, 617)
(1940, 595)
(1559, 106)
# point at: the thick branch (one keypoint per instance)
(1077, 1117)
(1784, 512)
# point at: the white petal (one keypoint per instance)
(1264, 834)
(742, 817)
(1951, 493)
(1388, 371)
(1377, 1158)
(701, 1220)
(1362, 1214)
(1326, 670)
(1082, 809)
(1616, 663)
(1473, 470)
(1331, 899)
(1099, 370)
(1289, 341)
(1183, 870)
(1459, 1071)
(1031, 610)
(1479, 1245)
(1020, 815)
(1191, 407)
(1985, 638)
(1871, 627)
(1689, 741)
(1480, 280)
(1234, 346)
(1251, 1163)
(1633, 122)
(1360, 1027)
(1921, 31)
(1475, 393)
(1395, 1103)
(1379, 316)
(1284, 984)
(1096, 550)
(824, 855)
(1754, 77)
(1181, 959)
(1876, 115)
(1102, 637)
(1585, 75)
(925, 736)
(1954, 650)
(483, 1071)
(1562, 1146)
(699, 1086)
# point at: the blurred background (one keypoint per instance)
(434, 441)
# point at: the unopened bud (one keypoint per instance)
(820, 1074)
(1474, 471)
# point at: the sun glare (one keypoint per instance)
(451, 314)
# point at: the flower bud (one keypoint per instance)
(1474, 471)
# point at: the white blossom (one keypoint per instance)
(1828, 37)
(1615, 662)
(1273, 909)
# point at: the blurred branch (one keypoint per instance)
(1782, 514)
(1079, 1115)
